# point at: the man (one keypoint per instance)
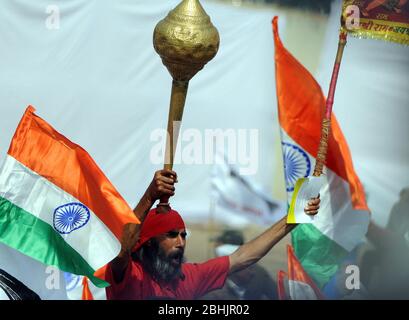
(150, 264)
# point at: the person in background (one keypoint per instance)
(385, 267)
(252, 283)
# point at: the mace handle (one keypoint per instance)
(177, 104)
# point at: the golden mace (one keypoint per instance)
(185, 40)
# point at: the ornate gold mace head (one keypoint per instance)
(186, 40)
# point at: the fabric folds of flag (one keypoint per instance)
(86, 292)
(13, 289)
(296, 285)
(56, 205)
(343, 218)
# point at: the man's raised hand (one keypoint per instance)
(162, 184)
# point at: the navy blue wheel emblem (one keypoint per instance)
(71, 280)
(70, 217)
(297, 164)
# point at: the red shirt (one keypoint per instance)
(200, 278)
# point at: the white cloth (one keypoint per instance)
(225, 249)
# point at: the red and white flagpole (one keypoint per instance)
(326, 121)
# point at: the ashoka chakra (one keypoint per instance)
(297, 164)
(70, 217)
(71, 280)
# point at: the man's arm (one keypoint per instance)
(252, 251)
(162, 185)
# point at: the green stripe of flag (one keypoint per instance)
(24, 232)
(319, 255)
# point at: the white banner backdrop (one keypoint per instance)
(90, 70)
(372, 107)
(94, 75)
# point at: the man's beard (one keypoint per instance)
(158, 264)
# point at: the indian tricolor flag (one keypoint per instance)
(343, 217)
(296, 284)
(56, 205)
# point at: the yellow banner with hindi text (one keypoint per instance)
(377, 19)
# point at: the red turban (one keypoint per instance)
(158, 223)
